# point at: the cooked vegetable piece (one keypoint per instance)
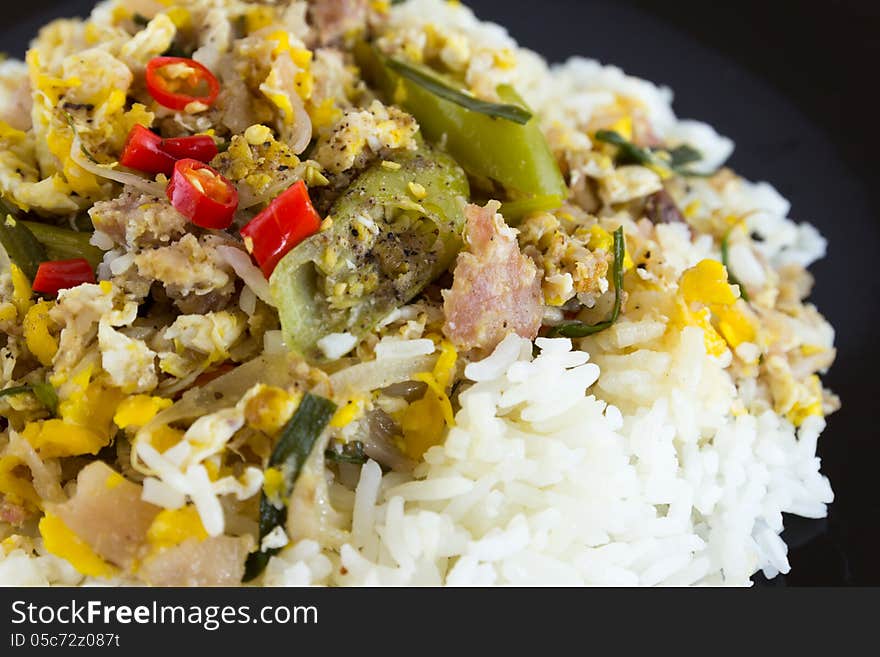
(55, 275)
(684, 154)
(515, 156)
(352, 452)
(63, 243)
(146, 151)
(44, 393)
(290, 454)
(581, 330)
(15, 390)
(629, 153)
(431, 82)
(288, 220)
(176, 82)
(660, 208)
(725, 260)
(202, 195)
(382, 248)
(23, 248)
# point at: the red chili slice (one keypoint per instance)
(175, 82)
(58, 275)
(197, 147)
(202, 195)
(286, 222)
(148, 152)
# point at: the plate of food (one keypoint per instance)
(365, 293)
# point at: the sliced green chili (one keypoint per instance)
(725, 260)
(439, 88)
(23, 248)
(292, 451)
(581, 330)
(63, 243)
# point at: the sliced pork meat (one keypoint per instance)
(661, 208)
(332, 19)
(14, 514)
(137, 220)
(216, 561)
(107, 512)
(496, 290)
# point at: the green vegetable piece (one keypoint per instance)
(725, 260)
(684, 154)
(23, 248)
(44, 393)
(290, 454)
(581, 330)
(352, 452)
(15, 390)
(385, 244)
(438, 87)
(64, 244)
(515, 156)
(629, 153)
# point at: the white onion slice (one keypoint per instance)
(110, 172)
(244, 267)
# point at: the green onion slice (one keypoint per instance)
(581, 330)
(290, 455)
(440, 88)
(725, 260)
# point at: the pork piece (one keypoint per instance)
(496, 290)
(14, 514)
(333, 18)
(216, 561)
(137, 220)
(660, 208)
(107, 513)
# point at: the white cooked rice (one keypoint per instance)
(674, 492)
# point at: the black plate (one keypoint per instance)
(756, 71)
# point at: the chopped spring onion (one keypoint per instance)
(629, 153)
(352, 452)
(297, 440)
(581, 330)
(440, 88)
(684, 154)
(44, 393)
(725, 260)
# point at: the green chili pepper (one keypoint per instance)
(290, 454)
(23, 248)
(63, 243)
(515, 156)
(385, 244)
(438, 87)
(581, 330)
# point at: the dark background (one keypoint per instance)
(795, 85)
